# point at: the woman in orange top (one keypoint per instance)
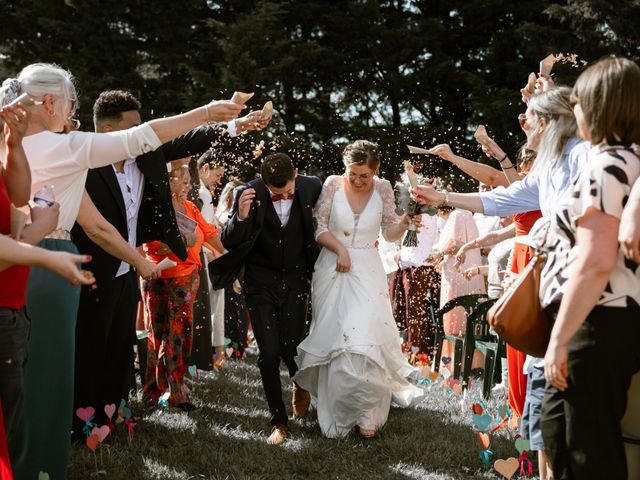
(168, 300)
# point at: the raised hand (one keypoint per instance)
(443, 151)
(222, 110)
(492, 149)
(16, 121)
(252, 121)
(426, 195)
(244, 203)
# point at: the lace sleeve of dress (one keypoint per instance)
(322, 210)
(389, 216)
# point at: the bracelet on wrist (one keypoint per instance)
(506, 155)
(206, 114)
(445, 200)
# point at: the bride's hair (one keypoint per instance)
(362, 152)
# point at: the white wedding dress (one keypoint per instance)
(352, 362)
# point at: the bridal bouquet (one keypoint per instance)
(413, 208)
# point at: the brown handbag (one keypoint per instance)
(517, 315)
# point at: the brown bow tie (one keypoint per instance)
(281, 196)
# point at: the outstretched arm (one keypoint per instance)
(486, 240)
(107, 237)
(481, 172)
(62, 263)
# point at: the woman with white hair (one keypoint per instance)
(41, 442)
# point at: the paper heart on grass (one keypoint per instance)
(192, 370)
(229, 351)
(482, 422)
(92, 442)
(85, 413)
(522, 445)
(101, 432)
(109, 410)
(507, 468)
(433, 376)
(484, 440)
(415, 350)
(457, 388)
(477, 408)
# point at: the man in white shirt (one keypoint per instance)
(133, 206)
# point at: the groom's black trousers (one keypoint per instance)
(278, 317)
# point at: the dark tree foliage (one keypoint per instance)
(397, 72)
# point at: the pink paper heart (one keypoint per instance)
(85, 413)
(110, 410)
(229, 351)
(101, 432)
(92, 442)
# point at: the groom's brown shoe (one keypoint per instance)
(278, 435)
(300, 400)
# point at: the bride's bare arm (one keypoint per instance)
(393, 227)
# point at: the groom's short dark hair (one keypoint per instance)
(277, 169)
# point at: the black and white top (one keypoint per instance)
(605, 183)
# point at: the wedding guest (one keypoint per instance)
(414, 285)
(169, 298)
(270, 231)
(14, 258)
(591, 292)
(41, 441)
(210, 172)
(352, 362)
(236, 314)
(459, 229)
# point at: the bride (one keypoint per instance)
(351, 362)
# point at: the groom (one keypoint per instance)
(271, 231)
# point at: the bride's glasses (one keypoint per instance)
(365, 177)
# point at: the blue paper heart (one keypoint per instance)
(446, 360)
(482, 422)
(192, 370)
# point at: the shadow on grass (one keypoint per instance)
(224, 439)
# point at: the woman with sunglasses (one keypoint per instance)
(41, 441)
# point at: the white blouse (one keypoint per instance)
(62, 160)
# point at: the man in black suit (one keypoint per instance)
(271, 230)
(134, 200)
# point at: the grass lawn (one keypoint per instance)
(224, 439)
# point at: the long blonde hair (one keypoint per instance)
(555, 107)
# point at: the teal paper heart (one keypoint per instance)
(482, 422)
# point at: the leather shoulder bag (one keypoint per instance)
(517, 315)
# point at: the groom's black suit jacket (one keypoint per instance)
(251, 240)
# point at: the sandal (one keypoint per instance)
(367, 433)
